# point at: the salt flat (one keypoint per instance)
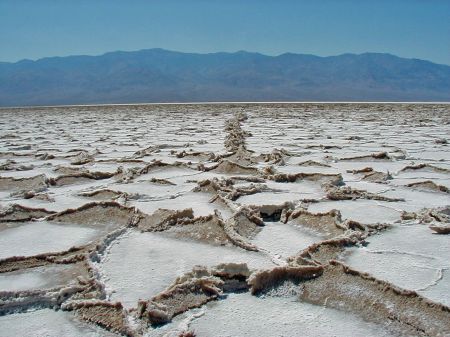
(271, 219)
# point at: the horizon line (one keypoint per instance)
(223, 103)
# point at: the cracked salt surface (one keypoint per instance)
(141, 265)
(365, 211)
(247, 315)
(199, 202)
(39, 278)
(411, 257)
(248, 211)
(41, 237)
(48, 323)
(284, 240)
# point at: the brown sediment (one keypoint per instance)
(111, 316)
(68, 170)
(377, 301)
(103, 194)
(274, 212)
(38, 196)
(70, 179)
(246, 190)
(155, 149)
(82, 158)
(235, 138)
(214, 185)
(242, 156)
(354, 137)
(242, 225)
(264, 280)
(277, 156)
(128, 175)
(440, 229)
(248, 178)
(107, 194)
(408, 215)
(348, 193)
(45, 156)
(21, 148)
(363, 170)
(234, 276)
(229, 167)
(85, 287)
(369, 229)
(373, 156)
(313, 163)
(12, 154)
(226, 186)
(193, 290)
(151, 167)
(377, 177)
(437, 216)
(122, 160)
(227, 189)
(328, 224)
(9, 136)
(229, 274)
(161, 181)
(27, 194)
(323, 147)
(11, 165)
(98, 213)
(441, 214)
(234, 143)
(72, 282)
(17, 212)
(321, 253)
(20, 301)
(74, 152)
(333, 179)
(71, 255)
(11, 184)
(424, 166)
(162, 219)
(180, 298)
(56, 274)
(147, 151)
(429, 185)
(221, 200)
(195, 155)
(209, 229)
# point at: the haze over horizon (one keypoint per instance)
(409, 29)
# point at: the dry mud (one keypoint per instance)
(225, 220)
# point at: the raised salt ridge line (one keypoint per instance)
(155, 220)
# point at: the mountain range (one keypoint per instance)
(157, 75)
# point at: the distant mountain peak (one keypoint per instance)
(159, 75)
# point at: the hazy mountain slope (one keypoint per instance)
(157, 75)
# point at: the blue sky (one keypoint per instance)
(410, 28)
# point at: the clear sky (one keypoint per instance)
(409, 28)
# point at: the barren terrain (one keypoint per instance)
(225, 220)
